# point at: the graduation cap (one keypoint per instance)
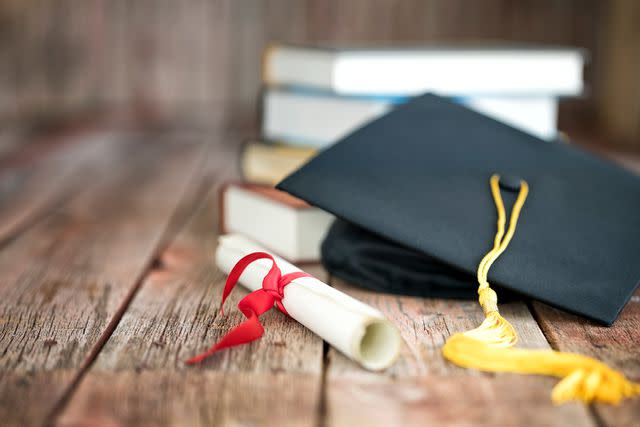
(414, 185)
(417, 193)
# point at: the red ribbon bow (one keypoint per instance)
(253, 305)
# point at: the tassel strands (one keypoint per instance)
(489, 347)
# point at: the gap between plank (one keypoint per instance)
(536, 316)
(34, 219)
(322, 403)
(597, 419)
(45, 146)
(174, 225)
(595, 416)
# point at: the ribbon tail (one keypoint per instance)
(253, 305)
(246, 332)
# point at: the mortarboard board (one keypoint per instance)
(417, 179)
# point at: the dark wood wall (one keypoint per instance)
(200, 59)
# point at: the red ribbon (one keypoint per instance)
(253, 305)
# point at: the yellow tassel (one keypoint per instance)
(487, 347)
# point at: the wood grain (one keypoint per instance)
(274, 381)
(63, 280)
(38, 176)
(618, 346)
(201, 58)
(12, 138)
(422, 388)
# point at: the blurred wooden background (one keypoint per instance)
(198, 61)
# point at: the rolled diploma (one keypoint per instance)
(359, 331)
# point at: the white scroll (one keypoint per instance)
(359, 331)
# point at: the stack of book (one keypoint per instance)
(314, 96)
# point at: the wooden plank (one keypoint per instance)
(64, 282)
(140, 378)
(422, 388)
(618, 346)
(11, 139)
(39, 175)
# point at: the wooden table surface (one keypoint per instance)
(107, 284)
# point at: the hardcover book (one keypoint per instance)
(282, 223)
(445, 70)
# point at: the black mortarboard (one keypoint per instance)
(418, 180)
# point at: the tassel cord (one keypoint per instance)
(488, 347)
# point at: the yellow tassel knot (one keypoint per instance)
(488, 300)
(487, 347)
(494, 330)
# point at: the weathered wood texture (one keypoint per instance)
(618, 346)
(202, 57)
(36, 176)
(275, 381)
(106, 292)
(422, 388)
(64, 279)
